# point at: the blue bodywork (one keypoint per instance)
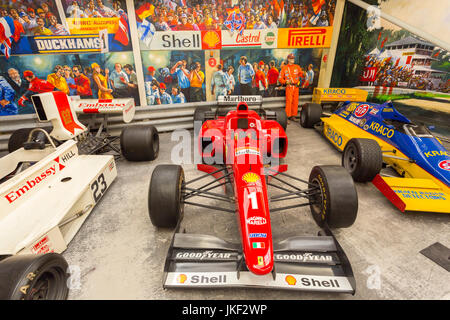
(415, 141)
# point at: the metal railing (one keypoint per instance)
(163, 117)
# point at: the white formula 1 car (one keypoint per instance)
(47, 190)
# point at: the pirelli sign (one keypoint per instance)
(317, 37)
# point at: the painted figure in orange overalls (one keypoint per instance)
(291, 75)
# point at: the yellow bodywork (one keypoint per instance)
(321, 95)
(417, 189)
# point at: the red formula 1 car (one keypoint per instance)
(241, 149)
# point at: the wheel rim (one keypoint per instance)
(47, 286)
(316, 200)
(350, 159)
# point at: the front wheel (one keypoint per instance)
(333, 200)
(310, 115)
(34, 277)
(362, 158)
(165, 196)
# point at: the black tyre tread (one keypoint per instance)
(310, 115)
(370, 159)
(15, 269)
(340, 192)
(139, 143)
(164, 198)
(281, 118)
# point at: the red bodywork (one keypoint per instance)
(242, 137)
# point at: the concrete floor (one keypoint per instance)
(121, 255)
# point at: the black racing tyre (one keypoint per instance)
(281, 118)
(310, 115)
(165, 204)
(335, 203)
(363, 159)
(139, 143)
(34, 277)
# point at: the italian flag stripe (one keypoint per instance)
(258, 245)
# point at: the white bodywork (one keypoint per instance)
(125, 107)
(43, 207)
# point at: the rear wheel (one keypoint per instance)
(34, 277)
(139, 143)
(363, 159)
(281, 118)
(165, 204)
(335, 201)
(310, 115)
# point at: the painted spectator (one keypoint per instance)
(7, 105)
(231, 82)
(28, 25)
(219, 82)
(245, 76)
(70, 81)
(260, 79)
(36, 85)
(177, 95)
(91, 11)
(309, 76)
(164, 96)
(74, 11)
(153, 96)
(179, 69)
(133, 82)
(82, 83)
(270, 23)
(272, 78)
(119, 80)
(196, 78)
(32, 15)
(57, 28)
(104, 11)
(41, 30)
(150, 74)
(102, 82)
(57, 79)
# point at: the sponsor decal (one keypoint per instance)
(303, 257)
(366, 127)
(204, 255)
(361, 110)
(258, 245)
(64, 44)
(335, 137)
(362, 122)
(34, 181)
(65, 158)
(334, 91)
(351, 107)
(304, 37)
(247, 150)
(291, 280)
(445, 165)
(211, 40)
(260, 261)
(181, 278)
(373, 111)
(111, 166)
(250, 177)
(256, 220)
(175, 40)
(269, 38)
(436, 153)
(369, 74)
(209, 279)
(388, 110)
(257, 235)
(101, 105)
(425, 195)
(92, 25)
(384, 131)
(246, 39)
(42, 246)
(249, 99)
(354, 120)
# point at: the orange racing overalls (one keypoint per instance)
(291, 75)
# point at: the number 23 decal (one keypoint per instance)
(99, 187)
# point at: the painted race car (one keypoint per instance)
(47, 190)
(375, 135)
(241, 150)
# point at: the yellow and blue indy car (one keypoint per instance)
(373, 137)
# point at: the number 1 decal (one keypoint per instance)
(252, 197)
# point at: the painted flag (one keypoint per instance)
(144, 11)
(7, 30)
(317, 5)
(146, 32)
(408, 60)
(396, 62)
(379, 36)
(258, 245)
(234, 9)
(436, 54)
(314, 19)
(122, 32)
(18, 30)
(383, 42)
(282, 16)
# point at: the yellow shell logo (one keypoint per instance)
(181, 278)
(211, 39)
(250, 177)
(291, 280)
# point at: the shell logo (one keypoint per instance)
(291, 280)
(250, 177)
(181, 278)
(211, 39)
